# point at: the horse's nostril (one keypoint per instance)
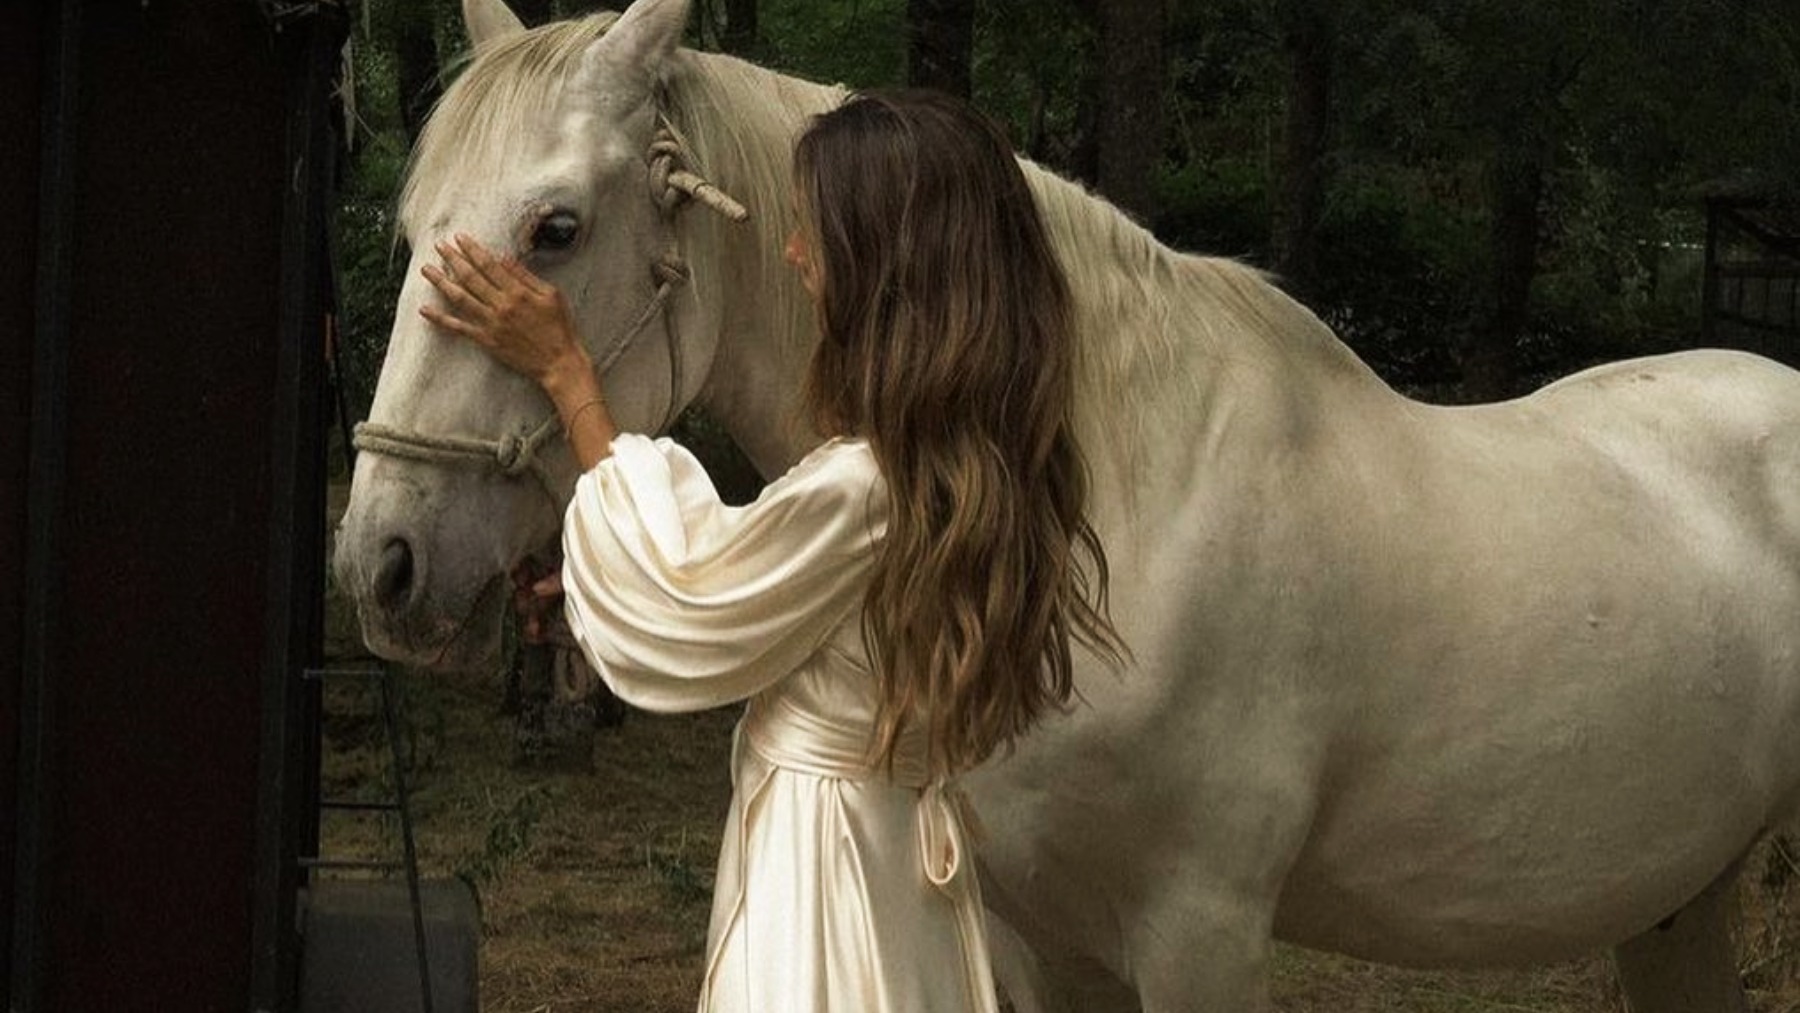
(394, 580)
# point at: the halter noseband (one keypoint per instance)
(515, 454)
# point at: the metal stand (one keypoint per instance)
(400, 804)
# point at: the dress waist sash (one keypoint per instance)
(793, 739)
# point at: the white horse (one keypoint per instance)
(1431, 686)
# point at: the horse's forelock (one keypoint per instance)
(737, 122)
(472, 131)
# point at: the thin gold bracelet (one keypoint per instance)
(575, 415)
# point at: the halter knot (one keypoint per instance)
(513, 455)
(671, 184)
(669, 269)
(663, 152)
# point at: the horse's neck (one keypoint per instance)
(1169, 342)
(743, 121)
(1168, 337)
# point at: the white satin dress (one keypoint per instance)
(838, 889)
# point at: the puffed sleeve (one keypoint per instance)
(683, 603)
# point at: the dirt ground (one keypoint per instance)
(594, 885)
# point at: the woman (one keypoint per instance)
(897, 607)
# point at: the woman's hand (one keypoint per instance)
(524, 322)
(538, 605)
(500, 305)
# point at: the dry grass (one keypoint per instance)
(595, 885)
(1310, 981)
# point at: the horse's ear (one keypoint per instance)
(487, 20)
(623, 63)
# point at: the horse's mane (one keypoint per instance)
(739, 123)
(1143, 309)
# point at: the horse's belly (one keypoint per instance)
(1554, 912)
(1546, 874)
(1556, 831)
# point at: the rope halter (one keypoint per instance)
(671, 188)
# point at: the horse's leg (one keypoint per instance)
(1686, 964)
(1043, 981)
(1180, 964)
(1215, 956)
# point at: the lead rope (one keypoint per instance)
(515, 454)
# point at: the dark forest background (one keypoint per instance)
(1477, 194)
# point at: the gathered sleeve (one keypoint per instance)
(683, 603)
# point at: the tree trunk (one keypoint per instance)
(1307, 39)
(1083, 161)
(1129, 127)
(533, 13)
(740, 27)
(415, 64)
(940, 43)
(1084, 151)
(1490, 363)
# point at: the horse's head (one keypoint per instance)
(542, 149)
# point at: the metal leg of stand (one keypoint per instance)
(406, 835)
(400, 804)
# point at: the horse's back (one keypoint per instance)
(1723, 421)
(1701, 395)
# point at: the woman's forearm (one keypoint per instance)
(587, 422)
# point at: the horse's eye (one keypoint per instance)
(556, 231)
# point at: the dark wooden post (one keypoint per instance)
(159, 546)
(29, 92)
(940, 43)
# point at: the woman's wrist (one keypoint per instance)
(574, 389)
(570, 380)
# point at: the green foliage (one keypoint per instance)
(858, 43)
(1220, 206)
(371, 264)
(1426, 92)
(1599, 282)
(1022, 64)
(1397, 273)
(510, 831)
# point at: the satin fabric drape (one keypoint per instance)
(839, 888)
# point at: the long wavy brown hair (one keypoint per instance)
(946, 344)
